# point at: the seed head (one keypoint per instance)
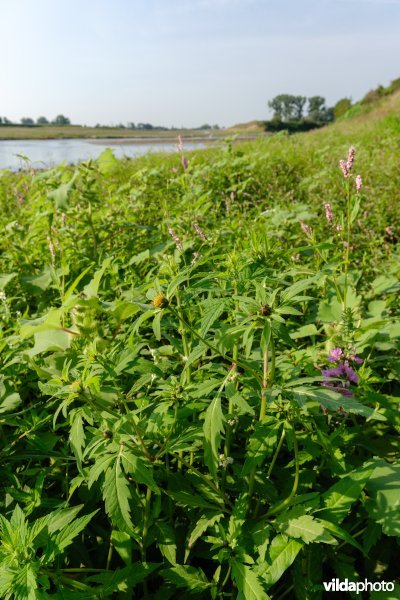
(265, 310)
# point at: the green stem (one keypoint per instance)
(347, 253)
(275, 509)
(278, 449)
(185, 343)
(239, 363)
(204, 478)
(146, 519)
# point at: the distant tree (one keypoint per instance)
(297, 106)
(318, 111)
(131, 125)
(287, 107)
(216, 126)
(341, 107)
(144, 126)
(61, 120)
(42, 121)
(7, 121)
(27, 121)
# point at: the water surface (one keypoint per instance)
(49, 153)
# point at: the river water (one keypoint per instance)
(20, 154)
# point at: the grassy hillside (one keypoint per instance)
(200, 363)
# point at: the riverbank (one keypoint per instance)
(15, 132)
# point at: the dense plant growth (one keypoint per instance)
(199, 372)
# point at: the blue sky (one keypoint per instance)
(189, 62)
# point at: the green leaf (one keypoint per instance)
(335, 401)
(205, 521)
(247, 582)
(122, 542)
(265, 336)
(339, 499)
(341, 534)
(92, 288)
(140, 471)
(107, 162)
(303, 527)
(261, 444)
(116, 496)
(213, 309)
(355, 210)
(281, 554)
(100, 466)
(190, 578)
(5, 279)
(384, 490)
(166, 541)
(305, 331)
(25, 584)
(213, 426)
(60, 196)
(296, 288)
(70, 531)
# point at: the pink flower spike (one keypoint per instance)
(185, 163)
(358, 183)
(328, 212)
(350, 158)
(344, 168)
(306, 228)
(335, 354)
(180, 144)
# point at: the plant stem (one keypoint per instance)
(146, 518)
(204, 478)
(275, 509)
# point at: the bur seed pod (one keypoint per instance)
(265, 310)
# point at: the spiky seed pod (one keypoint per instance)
(265, 310)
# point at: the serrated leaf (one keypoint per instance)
(166, 541)
(281, 554)
(335, 401)
(122, 542)
(116, 496)
(190, 578)
(100, 466)
(341, 496)
(92, 288)
(60, 195)
(213, 309)
(303, 527)
(25, 584)
(213, 426)
(261, 444)
(384, 490)
(139, 470)
(341, 534)
(205, 521)
(248, 584)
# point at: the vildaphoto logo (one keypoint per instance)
(335, 585)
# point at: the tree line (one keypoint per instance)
(29, 122)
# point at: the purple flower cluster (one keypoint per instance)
(341, 376)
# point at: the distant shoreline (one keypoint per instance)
(70, 132)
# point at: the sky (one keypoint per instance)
(189, 62)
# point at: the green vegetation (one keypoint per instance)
(200, 359)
